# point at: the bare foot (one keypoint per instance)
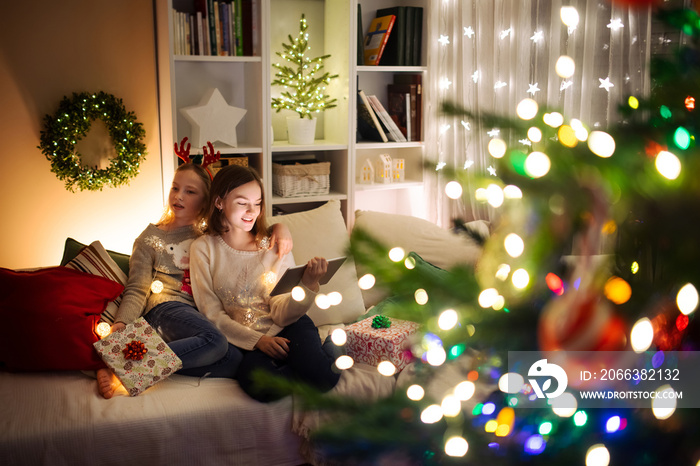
(107, 382)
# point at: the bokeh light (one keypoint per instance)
(339, 337)
(497, 148)
(534, 134)
(642, 335)
(597, 455)
(537, 164)
(569, 16)
(431, 414)
(397, 254)
(668, 165)
(565, 67)
(514, 245)
(664, 404)
(448, 319)
(415, 392)
(298, 294)
(453, 190)
(521, 279)
(366, 281)
(687, 299)
(386, 368)
(456, 447)
(527, 109)
(465, 390)
(344, 362)
(601, 144)
(617, 290)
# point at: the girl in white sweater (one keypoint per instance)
(233, 271)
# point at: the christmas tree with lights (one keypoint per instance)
(633, 189)
(302, 77)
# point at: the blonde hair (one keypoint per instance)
(203, 175)
(226, 180)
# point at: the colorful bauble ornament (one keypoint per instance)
(581, 320)
(71, 123)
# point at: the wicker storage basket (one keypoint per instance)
(300, 180)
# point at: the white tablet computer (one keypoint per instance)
(292, 276)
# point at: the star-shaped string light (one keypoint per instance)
(606, 84)
(533, 89)
(475, 76)
(565, 85)
(469, 32)
(505, 33)
(615, 24)
(525, 142)
(492, 170)
(440, 166)
(494, 132)
(213, 120)
(538, 35)
(500, 84)
(466, 125)
(444, 84)
(444, 40)
(468, 163)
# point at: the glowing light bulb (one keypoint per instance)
(567, 136)
(664, 404)
(565, 67)
(451, 406)
(617, 290)
(554, 119)
(386, 368)
(527, 109)
(397, 254)
(415, 392)
(339, 337)
(453, 190)
(597, 455)
(502, 272)
(511, 382)
(448, 319)
(512, 192)
(601, 144)
(488, 297)
(564, 405)
(156, 286)
(344, 362)
(494, 195)
(687, 299)
(520, 279)
(298, 293)
(514, 245)
(456, 447)
(436, 356)
(534, 134)
(569, 16)
(465, 390)
(668, 165)
(366, 282)
(642, 335)
(431, 414)
(537, 164)
(102, 329)
(421, 296)
(497, 148)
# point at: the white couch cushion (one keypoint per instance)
(322, 232)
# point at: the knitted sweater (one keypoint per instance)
(157, 256)
(232, 288)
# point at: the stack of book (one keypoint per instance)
(403, 44)
(401, 120)
(220, 28)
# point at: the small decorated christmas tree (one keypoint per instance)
(304, 82)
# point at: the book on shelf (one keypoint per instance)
(368, 126)
(377, 35)
(395, 47)
(411, 83)
(399, 109)
(360, 37)
(394, 133)
(404, 45)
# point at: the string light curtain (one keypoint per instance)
(491, 54)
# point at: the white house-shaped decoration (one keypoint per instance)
(383, 169)
(398, 172)
(367, 175)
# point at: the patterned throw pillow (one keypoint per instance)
(95, 260)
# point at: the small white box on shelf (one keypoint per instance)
(367, 173)
(383, 169)
(398, 172)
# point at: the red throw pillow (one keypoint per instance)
(49, 317)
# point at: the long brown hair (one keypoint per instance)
(226, 180)
(206, 183)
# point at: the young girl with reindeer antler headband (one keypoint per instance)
(159, 286)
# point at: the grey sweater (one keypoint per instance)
(162, 256)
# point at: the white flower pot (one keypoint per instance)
(301, 130)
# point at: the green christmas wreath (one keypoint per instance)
(71, 123)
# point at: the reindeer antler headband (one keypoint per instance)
(205, 159)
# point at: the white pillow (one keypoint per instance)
(322, 232)
(435, 244)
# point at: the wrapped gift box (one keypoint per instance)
(155, 361)
(369, 345)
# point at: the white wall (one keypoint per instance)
(49, 50)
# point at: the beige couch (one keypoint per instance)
(58, 418)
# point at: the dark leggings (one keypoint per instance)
(307, 362)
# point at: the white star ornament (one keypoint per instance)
(213, 120)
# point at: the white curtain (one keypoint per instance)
(491, 54)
